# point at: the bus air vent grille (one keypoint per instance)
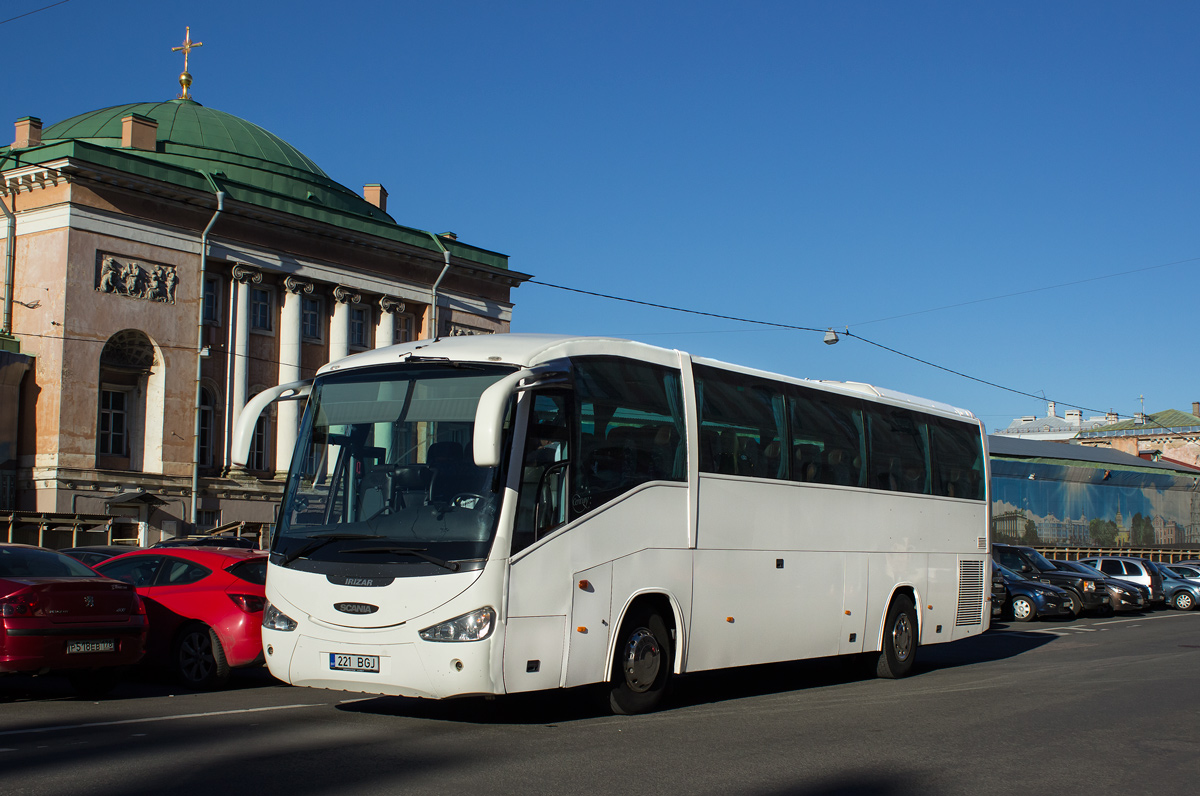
(981, 543)
(970, 593)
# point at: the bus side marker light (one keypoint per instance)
(581, 629)
(729, 619)
(583, 584)
(930, 607)
(847, 613)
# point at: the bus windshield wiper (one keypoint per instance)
(319, 540)
(419, 552)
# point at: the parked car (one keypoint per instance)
(1184, 571)
(1123, 595)
(1132, 569)
(220, 540)
(205, 608)
(1087, 591)
(1026, 599)
(1180, 593)
(94, 554)
(57, 614)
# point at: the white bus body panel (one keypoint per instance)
(409, 665)
(544, 581)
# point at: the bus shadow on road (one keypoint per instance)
(700, 688)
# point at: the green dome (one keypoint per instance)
(247, 162)
(186, 126)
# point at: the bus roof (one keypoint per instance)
(527, 350)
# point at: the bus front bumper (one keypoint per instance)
(433, 670)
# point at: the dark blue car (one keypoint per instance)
(1026, 600)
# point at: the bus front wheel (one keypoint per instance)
(899, 640)
(642, 664)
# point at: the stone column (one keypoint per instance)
(339, 327)
(385, 330)
(238, 369)
(287, 413)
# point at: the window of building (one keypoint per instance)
(207, 518)
(312, 319)
(405, 323)
(113, 439)
(207, 415)
(212, 300)
(358, 327)
(259, 446)
(260, 309)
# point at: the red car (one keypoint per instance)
(205, 608)
(58, 615)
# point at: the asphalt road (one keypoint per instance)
(1090, 706)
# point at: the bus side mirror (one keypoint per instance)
(493, 405)
(243, 432)
(489, 418)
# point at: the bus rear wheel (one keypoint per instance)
(899, 640)
(642, 664)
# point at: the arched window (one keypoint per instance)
(125, 367)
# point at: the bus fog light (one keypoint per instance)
(474, 626)
(274, 619)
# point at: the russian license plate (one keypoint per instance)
(353, 663)
(99, 645)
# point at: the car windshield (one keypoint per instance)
(35, 562)
(385, 472)
(1184, 572)
(1008, 573)
(1040, 560)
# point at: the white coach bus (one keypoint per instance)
(507, 513)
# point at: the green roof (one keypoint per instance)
(199, 147)
(1170, 418)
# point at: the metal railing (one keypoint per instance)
(1166, 555)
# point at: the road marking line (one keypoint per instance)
(158, 718)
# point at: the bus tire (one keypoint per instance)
(642, 663)
(899, 639)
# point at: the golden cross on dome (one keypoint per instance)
(185, 79)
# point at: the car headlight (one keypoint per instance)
(1089, 585)
(274, 619)
(475, 626)
(1041, 592)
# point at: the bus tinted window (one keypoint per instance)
(630, 426)
(742, 421)
(899, 459)
(957, 459)
(827, 439)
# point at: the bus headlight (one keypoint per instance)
(274, 619)
(475, 626)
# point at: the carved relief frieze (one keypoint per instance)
(124, 276)
(462, 330)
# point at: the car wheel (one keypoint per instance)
(94, 683)
(1023, 609)
(1076, 603)
(1183, 601)
(199, 658)
(899, 640)
(642, 664)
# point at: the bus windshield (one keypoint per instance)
(383, 472)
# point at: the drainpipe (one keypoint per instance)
(433, 306)
(10, 255)
(200, 351)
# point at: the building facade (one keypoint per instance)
(166, 261)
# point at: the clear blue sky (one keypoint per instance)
(1008, 190)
